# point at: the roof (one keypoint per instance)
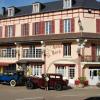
(47, 38)
(55, 6)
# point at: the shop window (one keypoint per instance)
(71, 72)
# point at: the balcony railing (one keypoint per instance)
(32, 53)
(90, 59)
(11, 53)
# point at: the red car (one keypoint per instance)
(54, 81)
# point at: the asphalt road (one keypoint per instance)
(21, 93)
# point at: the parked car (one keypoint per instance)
(55, 81)
(13, 78)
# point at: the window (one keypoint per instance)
(32, 52)
(36, 7)
(67, 25)
(10, 31)
(36, 28)
(25, 29)
(71, 72)
(98, 25)
(67, 49)
(48, 27)
(61, 70)
(67, 4)
(8, 53)
(37, 70)
(11, 12)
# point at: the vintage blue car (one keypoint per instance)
(13, 78)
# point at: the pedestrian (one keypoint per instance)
(46, 82)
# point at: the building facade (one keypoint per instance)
(54, 37)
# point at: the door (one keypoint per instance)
(94, 76)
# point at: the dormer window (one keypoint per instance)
(36, 7)
(11, 11)
(67, 4)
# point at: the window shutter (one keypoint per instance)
(61, 26)
(53, 26)
(13, 30)
(6, 31)
(27, 30)
(97, 25)
(33, 29)
(42, 28)
(22, 29)
(0, 31)
(72, 25)
(93, 52)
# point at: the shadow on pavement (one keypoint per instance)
(93, 98)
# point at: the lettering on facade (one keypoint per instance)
(54, 50)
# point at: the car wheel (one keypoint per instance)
(13, 83)
(58, 87)
(30, 85)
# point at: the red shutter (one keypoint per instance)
(22, 29)
(6, 31)
(27, 29)
(53, 26)
(13, 30)
(33, 29)
(72, 25)
(97, 25)
(61, 26)
(93, 52)
(42, 27)
(0, 31)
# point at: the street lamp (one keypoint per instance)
(81, 44)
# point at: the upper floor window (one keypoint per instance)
(67, 49)
(67, 25)
(11, 12)
(36, 28)
(67, 4)
(25, 29)
(10, 31)
(49, 27)
(36, 7)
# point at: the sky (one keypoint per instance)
(7, 3)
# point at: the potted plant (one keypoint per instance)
(81, 82)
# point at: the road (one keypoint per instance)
(21, 93)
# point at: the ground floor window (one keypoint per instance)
(10, 68)
(61, 70)
(71, 72)
(37, 70)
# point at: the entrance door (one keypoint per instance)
(94, 76)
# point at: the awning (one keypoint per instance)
(5, 63)
(28, 61)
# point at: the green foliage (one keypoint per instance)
(82, 79)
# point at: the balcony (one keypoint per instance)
(90, 59)
(8, 53)
(32, 53)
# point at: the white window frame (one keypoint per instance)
(36, 8)
(37, 70)
(67, 4)
(11, 12)
(67, 25)
(71, 72)
(10, 31)
(8, 54)
(48, 27)
(68, 53)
